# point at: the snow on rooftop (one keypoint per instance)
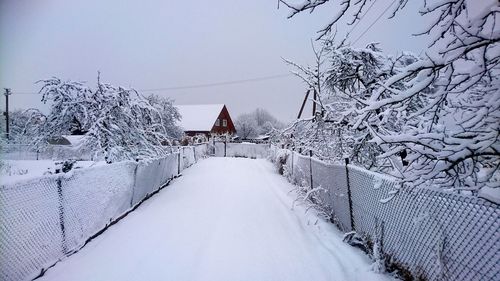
(199, 117)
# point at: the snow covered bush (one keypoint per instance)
(442, 111)
(117, 123)
(192, 140)
(199, 138)
(65, 166)
(7, 169)
(311, 199)
(280, 160)
(225, 137)
(356, 240)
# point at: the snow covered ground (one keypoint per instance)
(224, 219)
(17, 170)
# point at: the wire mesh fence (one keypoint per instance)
(52, 152)
(241, 149)
(42, 220)
(431, 234)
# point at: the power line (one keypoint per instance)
(271, 77)
(195, 86)
(374, 22)
(361, 18)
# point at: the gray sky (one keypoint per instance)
(158, 44)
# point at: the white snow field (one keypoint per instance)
(224, 219)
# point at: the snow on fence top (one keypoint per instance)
(46, 218)
(433, 234)
(200, 117)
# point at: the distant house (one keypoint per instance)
(205, 119)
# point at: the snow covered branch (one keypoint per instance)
(117, 123)
(441, 112)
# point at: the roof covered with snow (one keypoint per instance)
(75, 140)
(70, 140)
(199, 117)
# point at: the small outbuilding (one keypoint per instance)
(207, 119)
(68, 140)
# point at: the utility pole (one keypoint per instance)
(6, 113)
(303, 104)
(314, 102)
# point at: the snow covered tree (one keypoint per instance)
(452, 141)
(349, 75)
(168, 114)
(310, 134)
(266, 122)
(119, 123)
(25, 125)
(257, 122)
(246, 126)
(353, 76)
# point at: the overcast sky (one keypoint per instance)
(158, 44)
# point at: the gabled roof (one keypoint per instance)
(199, 117)
(70, 140)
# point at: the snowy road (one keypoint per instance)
(224, 219)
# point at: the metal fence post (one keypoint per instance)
(61, 215)
(179, 161)
(349, 193)
(194, 153)
(225, 148)
(311, 168)
(133, 187)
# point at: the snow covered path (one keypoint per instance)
(224, 219)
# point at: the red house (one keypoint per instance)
(205, 119)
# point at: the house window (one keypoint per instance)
(217, 122)
(224, 123)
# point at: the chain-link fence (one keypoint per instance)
(62, 152)
(43, 220)
(426, 233)
(52, 152)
